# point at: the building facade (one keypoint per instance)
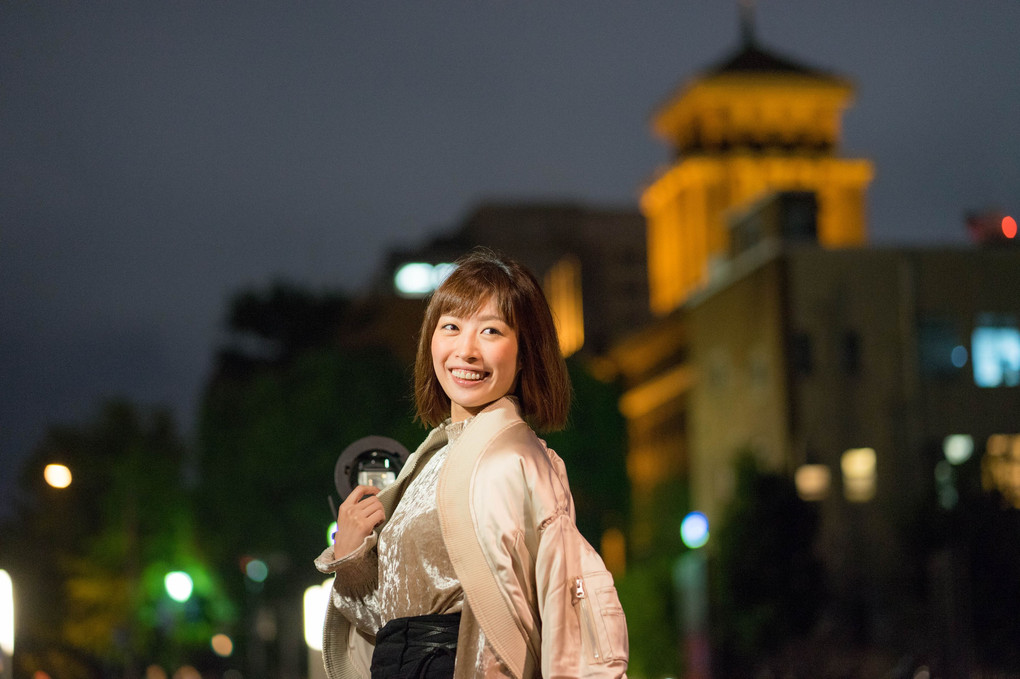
(755, 124)
(877, 380)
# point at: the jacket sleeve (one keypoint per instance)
(357, 573)
(584, 631)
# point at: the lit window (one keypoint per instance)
(563, 290)
(995, 352)
(858, 466)
(1000, 467)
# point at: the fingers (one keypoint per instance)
(368, 490)
(357, 517)
(361, 492)
(362, 510)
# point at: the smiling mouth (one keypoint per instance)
(469, 375)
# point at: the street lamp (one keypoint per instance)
(315, 602)
(694, 530)
(178, 585)
(57, 475)
(690, 581)
(6, 625)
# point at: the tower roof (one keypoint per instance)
(751, 58)
(755, 100)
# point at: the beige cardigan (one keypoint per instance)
(539, 591)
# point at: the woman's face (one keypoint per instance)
(475, 359)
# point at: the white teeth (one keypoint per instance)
(466, 375)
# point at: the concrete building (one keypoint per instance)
(874, 378)
(754, 124)
(590, 261)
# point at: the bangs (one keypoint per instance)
(463, 295)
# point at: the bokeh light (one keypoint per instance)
(257, 570)
(57, 475)
(694, 530)
(1008, 227)
(178, 585)
(187, 672)
(417, 279)
(958, 448)
(155, 672)
(6, 613)
(812, 481)
(222, 645)
(858, 465)
(316, 600)
(414, 278)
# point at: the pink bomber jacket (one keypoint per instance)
(539, 591)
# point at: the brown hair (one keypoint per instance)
(542, 387)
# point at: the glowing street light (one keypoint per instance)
(417, 279)
(57, 475)
(178, 585)
(6, 624)
(316, 601)
(694, 530)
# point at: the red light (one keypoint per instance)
(1009, 227)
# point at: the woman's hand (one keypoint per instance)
(357, 517)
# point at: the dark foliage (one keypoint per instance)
(766, 583)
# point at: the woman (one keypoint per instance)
(470, 563)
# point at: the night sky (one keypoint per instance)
(155, 158)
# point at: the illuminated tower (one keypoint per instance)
(755, 124)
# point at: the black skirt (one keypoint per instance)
(424, 646)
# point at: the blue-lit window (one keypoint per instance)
(995, 352)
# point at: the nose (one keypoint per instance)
(467, 347)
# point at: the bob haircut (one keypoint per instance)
(542, 386)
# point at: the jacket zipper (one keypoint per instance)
(588, 633)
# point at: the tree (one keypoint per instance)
(297, 383)
(764, 579)
(594, 449)
(91, 557)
